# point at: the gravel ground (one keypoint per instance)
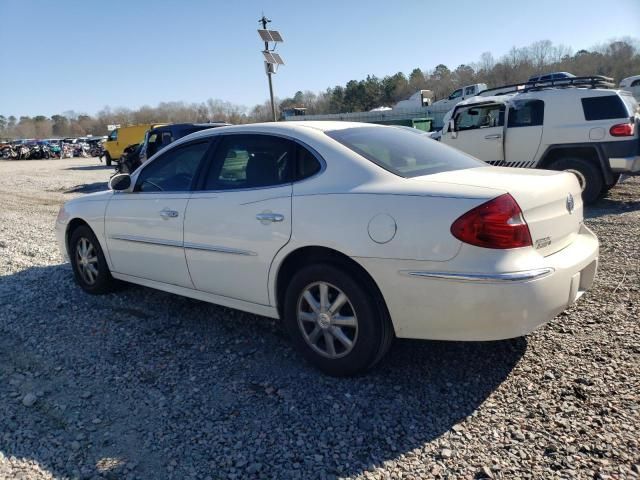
(144, 384)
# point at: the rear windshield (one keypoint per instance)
(403, 152)
(604, 108)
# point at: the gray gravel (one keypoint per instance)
(144, 384)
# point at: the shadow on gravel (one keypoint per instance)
(154, 385)
(608, 206)
(91, 167)
(89, 188)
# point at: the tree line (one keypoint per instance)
(617, 59)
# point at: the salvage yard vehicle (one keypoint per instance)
(578, 124)
(459, 95)
(122, 137)
(348, 232)
(632, 85)
(159, 137)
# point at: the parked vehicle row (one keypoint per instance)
(350, 233)
(51, 148)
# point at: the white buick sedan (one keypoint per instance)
(350, 233)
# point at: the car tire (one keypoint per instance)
(589, 176)
(359, 330)
(107, 159)
(90, 268)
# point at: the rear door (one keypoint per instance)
(144, 228)
(525, 120)
(478, 131)
(241, 217)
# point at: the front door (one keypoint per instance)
(144, 228)
(524, 132)
(479, 131)
(235, 226)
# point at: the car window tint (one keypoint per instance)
(635, 83)
(402, 152)
(250, 161)
(307, 164)
(604, 108)
(480, 116)
(526, 113)
(469, 91)
(456, 94)
(173, 171)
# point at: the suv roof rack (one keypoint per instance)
(591, 81)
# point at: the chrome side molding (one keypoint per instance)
(214, 248)
(524, 276)
(189, 245)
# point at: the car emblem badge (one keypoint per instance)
(570, 203)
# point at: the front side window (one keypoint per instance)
(251, 161)
(113, 136)
(526, 113)
(174, 171)
(456, 94)
(480, 116)
(403, 152)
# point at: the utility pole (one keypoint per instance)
(272, 59)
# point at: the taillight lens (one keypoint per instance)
(622, 130)
(496, 224)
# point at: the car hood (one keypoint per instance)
(91, 197)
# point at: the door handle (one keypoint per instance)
(268, 217)
(167, 213)
(493, 137)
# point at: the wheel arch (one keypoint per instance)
(71, 227)
(590, 152)
(313, 254)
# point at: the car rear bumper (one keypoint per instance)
(628, 165)
(446, 305)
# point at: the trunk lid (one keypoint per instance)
(551, 201)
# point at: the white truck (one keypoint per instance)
(580, 125)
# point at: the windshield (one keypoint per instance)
(402, 152)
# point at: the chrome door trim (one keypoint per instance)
(524, 276)
(148, 240)
(218, 249)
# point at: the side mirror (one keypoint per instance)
(452, 129)
(120, 182)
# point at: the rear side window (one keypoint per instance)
(251, 161)
(307, 164)
(526, 113)
(604, 108)
(403, 152)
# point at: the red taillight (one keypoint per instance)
(622, 130)
(496, 224)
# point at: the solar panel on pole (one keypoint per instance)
(275, 35)
(265, 35)
(268, 56)
(277, 58)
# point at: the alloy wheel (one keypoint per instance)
(327, 320)
(87, 260)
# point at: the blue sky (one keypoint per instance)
(79, 55)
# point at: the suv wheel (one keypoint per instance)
(334, 322)
(90, 268)
(589, 176)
